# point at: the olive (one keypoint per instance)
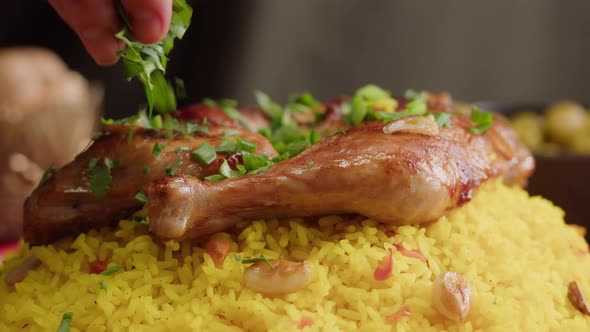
(581, 143)
(529, 126)
(564, 120)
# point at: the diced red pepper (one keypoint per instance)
(233, 160)
(410, 253)
(403, 311)
(385, 267)
(98, 266)
(217, 248)
(389, 233)
(305, 322)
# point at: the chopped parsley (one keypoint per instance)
(111, 163)
(229, 173)
(372, 92)
(171, 170)
(442, 119)
(483, 120)
(412, 94)
(416, 107)
(141, 196)
(103, 284)
(231, 132)
(66, 321)
(110, 270)
(204, 154)
(302, 102)
(100, 181)
(358, 111)
(227, 146)
(148, 62)
(242, 260)
(230, 108)
(237, 145)
(100, 178)
(245, 145)
(156, 122)
(92, 162)
(192, 128)
(49, 172)
(146, 170)
(254, 162)
(215, 178)
(272, 109)
(141, 220)
(130, 135)
(158, 149)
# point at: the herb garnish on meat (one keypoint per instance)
(49, 172)
(100, 179)
(204, 154)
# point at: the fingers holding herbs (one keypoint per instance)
(97, 21)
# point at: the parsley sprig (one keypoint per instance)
(359, 110)
(101, 178)
(243, 260)
(148, 62)
(482, 119)
(49, 172)
(283, 133)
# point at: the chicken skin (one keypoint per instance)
(398, 178)
(407, 176)
(66, 204)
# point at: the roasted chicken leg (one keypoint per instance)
(399, 178)
(65, 203)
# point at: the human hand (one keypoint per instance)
(97, 21)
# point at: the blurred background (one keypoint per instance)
(525, 51)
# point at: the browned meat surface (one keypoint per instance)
(65, 203)
(399, 178)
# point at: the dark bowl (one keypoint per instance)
(564, 179)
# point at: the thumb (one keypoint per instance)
(149, 19)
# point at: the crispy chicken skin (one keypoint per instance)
(399, 178)
(65, 203)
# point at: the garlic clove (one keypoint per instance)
(413, 124)
(451, 296)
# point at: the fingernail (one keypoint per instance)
(147, 26)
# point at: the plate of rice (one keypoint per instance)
(502, 260)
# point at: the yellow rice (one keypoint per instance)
(515, 250)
